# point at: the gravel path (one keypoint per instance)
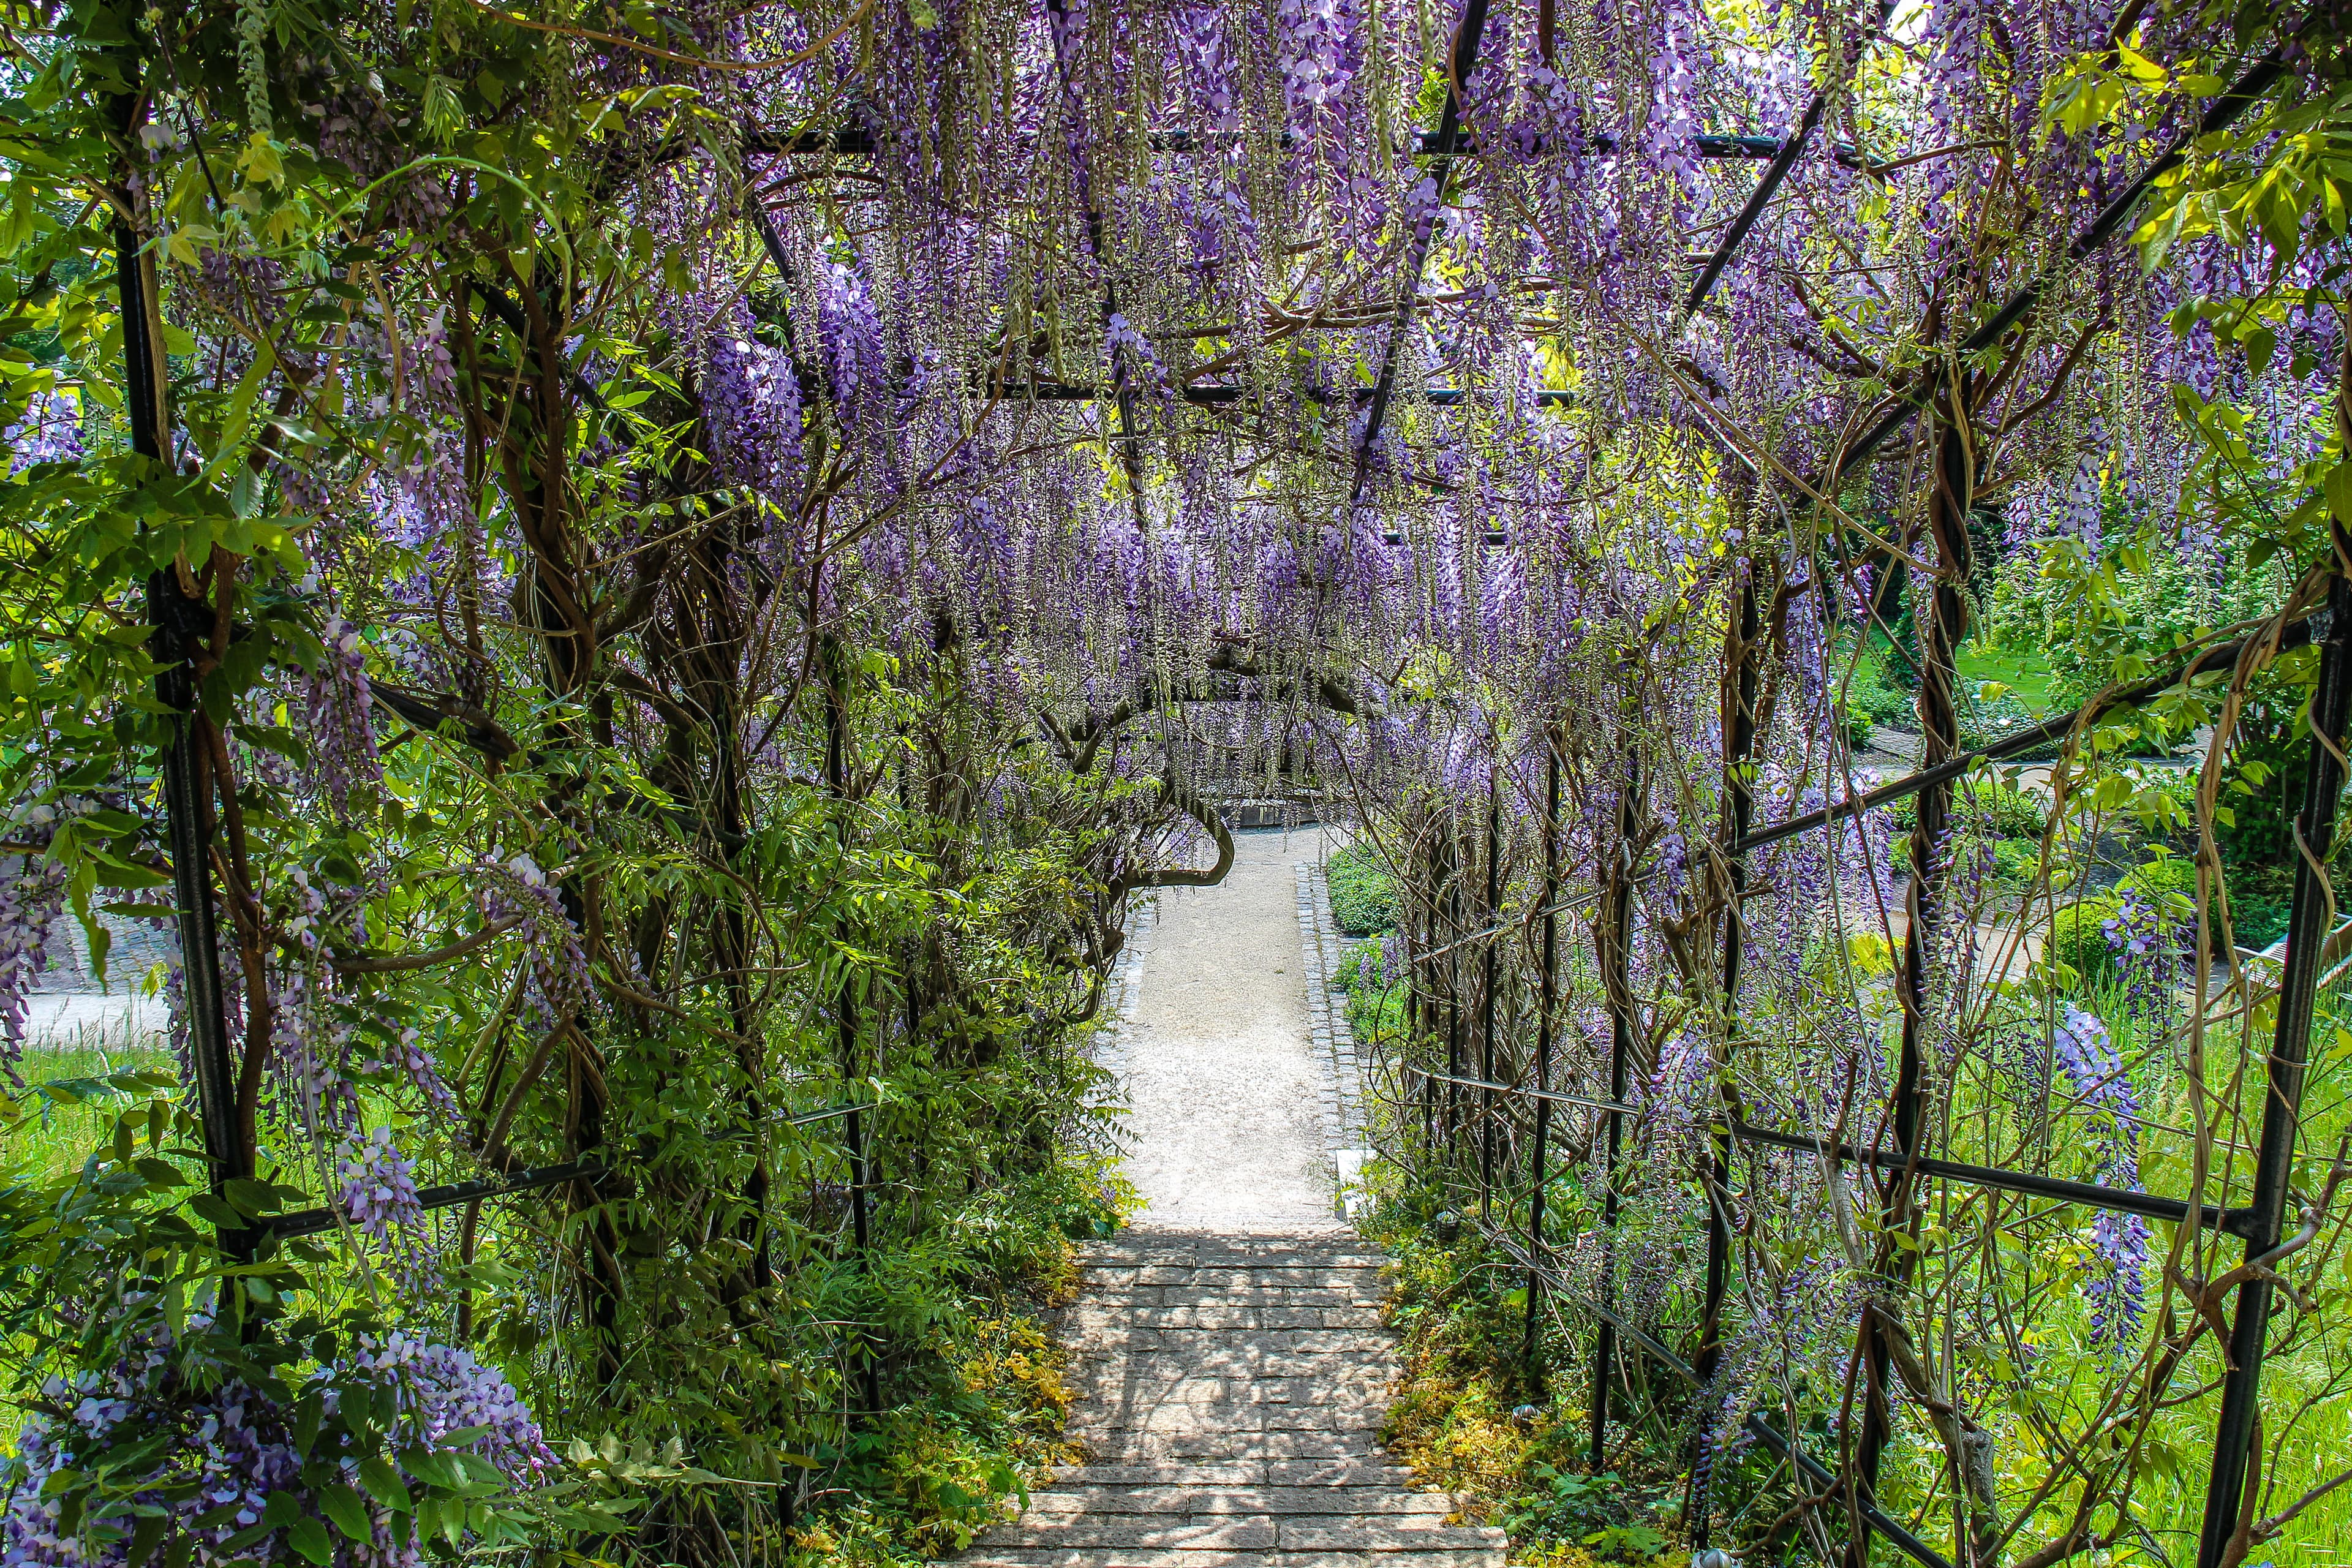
(1225, 1126)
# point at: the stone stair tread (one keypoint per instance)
(1240, 1296)
(1262, 1534)
(1259, 1341)
(1240, 1472)
(1090, 1316)
(1299, 1392)
(1238, 1500)
(1230, 1392)
(1163, 1447)
(1163, 1557)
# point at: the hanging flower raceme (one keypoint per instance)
(751, 407)
(2116, 1289)
(49, 432)
(338, 708)
(518, 893)
(31, 898)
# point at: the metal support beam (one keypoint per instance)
(182, 621)
(1738, 803)
(2307, 922)
(1486, 993)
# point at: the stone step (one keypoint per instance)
(1366, 1295)
(1230, 1396)
(1269, 1535)
(1091, 1316)
(1119, 1276)
(1161, 1368)
(1361, 1394)
(1161, 1557)
(1229, 1416)
(1241, 1472)
(1157, 1248)
(1131, 1446)
(1243, 1501)
(1138, 1340)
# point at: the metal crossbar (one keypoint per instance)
(2233, 1222)
(1551, 1096)
(311, 1221)
(2293, 634)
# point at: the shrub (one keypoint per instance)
(2003, 809)
(2077, 941)
(1363, 894)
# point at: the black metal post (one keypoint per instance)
(182, 621)
(1546, 966)
(1616, 957)
(1453, 990)
(2315, 831)
(1486, 998)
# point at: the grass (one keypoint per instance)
(2025, 671)
(60, 1137)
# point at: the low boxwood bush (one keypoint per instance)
(2078, 940)
(1363, 894)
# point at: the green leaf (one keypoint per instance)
(145, 1536)
(309, 1537)
(2338, 488)
(383, 1484)
(342, 1506)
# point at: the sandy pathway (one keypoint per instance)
(1225, 1128)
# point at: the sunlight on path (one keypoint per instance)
(1226, 1129)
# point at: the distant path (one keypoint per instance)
(1225, 1130)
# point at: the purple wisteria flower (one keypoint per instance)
(2117, 1287)
(559, 981)
(49, 432)
(379, 1186)
(340, 708)
(30, 901)
(223, 1455)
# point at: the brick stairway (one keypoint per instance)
(1230, 1390)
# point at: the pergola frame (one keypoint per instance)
(2261, 1225)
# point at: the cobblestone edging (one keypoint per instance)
(1346, 1137)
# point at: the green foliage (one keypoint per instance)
(1869, 696)
(1560, 1506)
(1461, 1310)
(2001, 809)
(2078, 943)
(1363, 894)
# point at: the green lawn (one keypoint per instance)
(57, 1138)
(2024, 671)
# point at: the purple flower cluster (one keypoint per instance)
(1198, 37)
(49, 432)
(340, 710)
(379, 1186)
(559, 980)
(2117, 1287)
(31, 898)
(751, 404)
(857, 366)
(226, 1454)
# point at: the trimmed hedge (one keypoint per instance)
(1363, 895)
